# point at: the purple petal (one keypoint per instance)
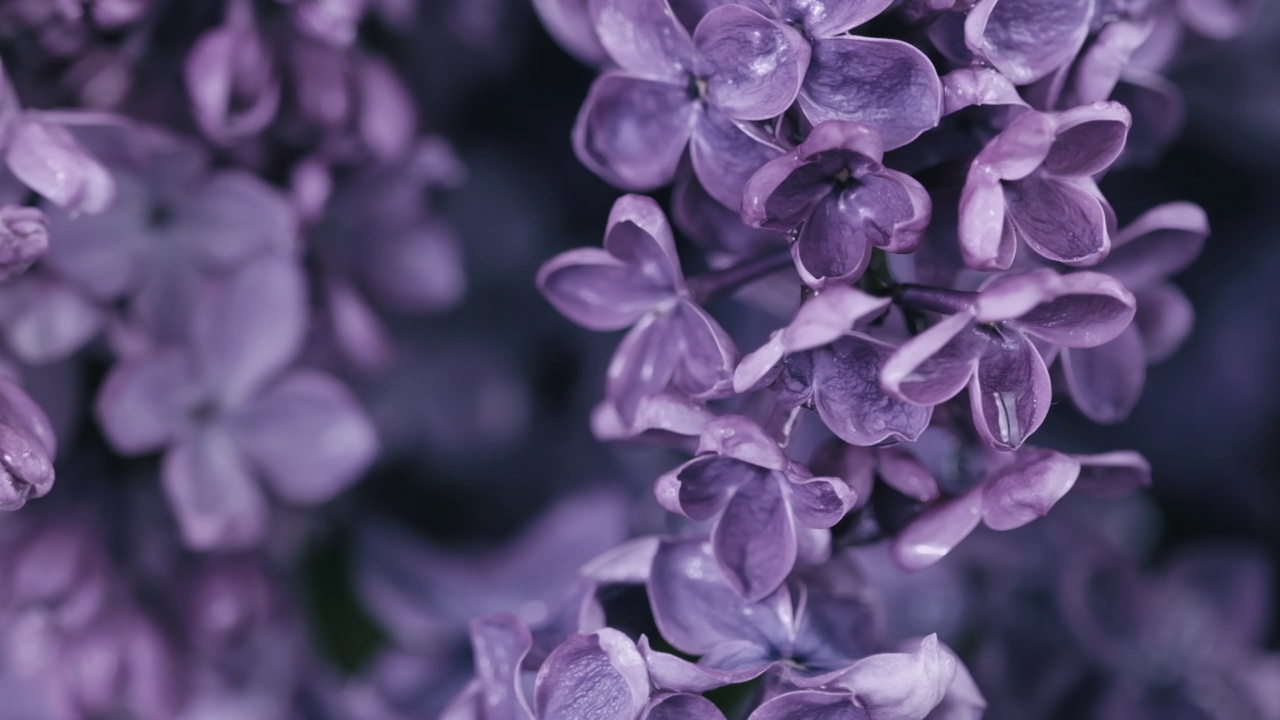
(1099, 68)
(810, 705)
(233, 88)
(755, 539)
(217, 503)
(848, 396)
(644, 38)
(701, 488)
(27, 469)
(1164, 319)
(1106, 381)
(828, 316)
(1027, 39)
(104, 269)
(833, 246)
(233, 217)
(308, 436)
(1219, 19)
(600, 675)
(668, 672)
(757, 368)
(569, 24)
(644, 363)
(705, 352)
(1082, 309)
(638, 234)
(20, 411)
(1160, 243)
(753, 66)
(987, 237)
(628, 563)
(46, 320)
(933, 366)
(681, 707)
(1088, 140)
(597, 290)
(901, 471)
(937, 531)
(1010, 392)
(902, 686)
(885, 84)
(500, 643)
(725, 155)
(250, 327)
(740, 438)
(696, 609)
(827, 18)
(1059, 219)
(661, 413)
(1113, 474)
(820, 502)
(47, 159)
(144, 401)
(1028, 488)
(1159, 113)
(971, 86)
(1219, 596)
(631, 131)
(1020, 148)
(419, 270)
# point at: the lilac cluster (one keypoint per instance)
(923, 180)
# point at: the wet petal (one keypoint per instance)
(1088, 140)
(47, 159)
(144, 401)
(308, 435)
(933, 366)
(820, 502)
(250, 326)
(885, 84)
(725, 155)
(833, 246)
(1027, 39)
(597, 290)
(214, 497)
(1010, 392)
(752, 65)
(499, 644)
(755, 539)
(740, 438)
(971, 86)
(644, 38)
(826, 18)
(1058, 219)
(848, 396)
(600, 675)
(1106, 381)
(632, 131)
(1027, 489)
(937, 531)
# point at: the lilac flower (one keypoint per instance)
(1027, 39)
(1105, 381)
(27, 448)
(985, 345)
(636, 281)
(1034, 181)
(816, 360)
(225, 410)
(675, 90)
(766, 507)
(24, 238)
(845, 202)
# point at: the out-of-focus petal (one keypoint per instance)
(500, 643)
(47, 159)
(214, 497)
(631, 131)
(1010, 392)
(1113, 474)
(1028, 488)
(1027, 39)
(232, 61)
(1219, 19)
(308, 436)
(568, 22)
(45, 320)
(1106, 381)
(885, 84)
(1164, 319)
(753, 65)
(937, 531)
(600, 675)
(1160, 243)
(143, 402)
(848, 396)
(233, 217)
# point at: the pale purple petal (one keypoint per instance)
(987, 237)
(828, 316)
(1106, 381)
(1027, 39)
(1219, 19)
(663, 412)
(933, 366)
(47, 159)
(745, 661)
(758, 368)
(644, 38)
(1164, 318)
(885, 84)
(233, 217)
(600, 676)
(1010, 392)
(1059, 219)
(1021, 147)
(820, 502)
(901, 471)
(740, 438)
(848, 396)
(826, 18)
(705, 352)
(937, 531)
(810, 705)
(1160, 243)
(638, 234)
(308, 436)
(725, 155)
(755, 539)
(1027, 489)
(597, 290)
(45, 320)
(833, 246)
(971, 86)
(144, 401)
(27, 470)
(627, 563)
(1223, 593)
(1081, 309)
(753, 65)
(632, 131)
(1088, 140)
(214, 497)
(1099, 68)
(902, 686)
(644, 362)
(568, 22)
(681, 707)
(250, 327)
(500, 643)
(229, 75)
(1113, 474)
(701, 488)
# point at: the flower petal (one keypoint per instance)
(49, 160)
(233, 217)
(1027, 489)
(902, 686)
(638, 234)
(833, 246)
(214, 497)
(885, 84)
(933, 366)
(1010, 392)
(752, 65)
(1106, 381)
(308, 435)
(644, 363)
(499, 644)
(1113, 474)
(1027, 39)
(644, 38)
(569, 24)
(1164, 318)
(810, 705)
(849, 398)
(600, 675)
(1081, 309)
(755, 539)
(1058, 219)
(631, 131)
(827, 18)
(701, 488)
(597, 290)
(682, 707)
(46, 320)
(1089, 138)
(937, 531)
(987, 237)
(143, 401)
(820, 502)
(705, 352)
(1160, 243)
(725, 155)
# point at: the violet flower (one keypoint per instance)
(1027, 39)
(1034, 181)
(635, 281)
(845, 203)
(986, 345)
(675, 89)
(818, 361)
(766, 507)
(226, 412)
